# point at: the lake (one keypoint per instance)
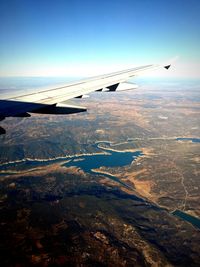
(194, 140)
(108, 158)
(89, 163)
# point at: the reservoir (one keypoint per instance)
(108, 158)
(111, 159)
(194, 140)
(186, 217)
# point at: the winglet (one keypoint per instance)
(167, 64)
(167, 67)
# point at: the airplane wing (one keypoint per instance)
(50, 101)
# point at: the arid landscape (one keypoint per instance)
(56, 213)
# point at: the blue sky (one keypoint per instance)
(47, 38)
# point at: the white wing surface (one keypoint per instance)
(50, 101)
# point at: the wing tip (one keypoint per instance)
(167, 66)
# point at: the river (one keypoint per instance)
(186, 217)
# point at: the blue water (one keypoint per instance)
(85, 162)
(89, 162)
(186, 217)
(194, 140)
(113, 159)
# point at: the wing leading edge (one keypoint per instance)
(49, 101)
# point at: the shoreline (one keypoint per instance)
(112, 144)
